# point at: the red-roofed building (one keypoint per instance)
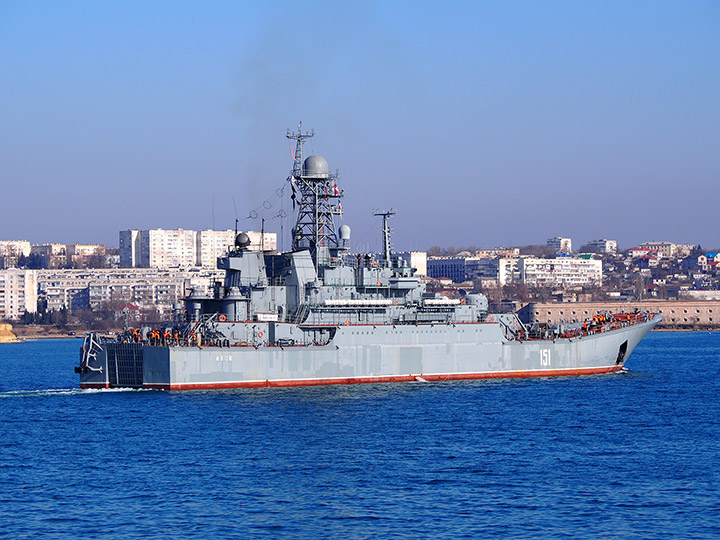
(643, 252)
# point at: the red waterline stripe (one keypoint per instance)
(388, 379)
(94, 385)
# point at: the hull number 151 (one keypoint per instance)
(545, 357)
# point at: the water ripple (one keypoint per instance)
(628, 455)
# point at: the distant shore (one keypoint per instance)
(684, 329)
(27, 333)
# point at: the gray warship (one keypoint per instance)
(318, 315)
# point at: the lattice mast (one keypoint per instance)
(318, 199)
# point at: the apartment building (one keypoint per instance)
(11, 251)
(604, 245)
(177, 248)
(160, 248)
(51, 255)
(212, 244)
(504, 270)
(14, 248)
(130, 248)
(18, 292)
(666, 249)
(452, 268)
(145, 287)
(560, 244)
(561, 271)
(497, 253)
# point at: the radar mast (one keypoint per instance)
(318, 202)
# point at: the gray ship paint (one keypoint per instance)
(319, 315)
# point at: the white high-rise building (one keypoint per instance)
(168, 248)
(560, 244)
(172, 248)
(260, 241)
(18, 292)
(213, 244)
(130, 248)
(605, 245)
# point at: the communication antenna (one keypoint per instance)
(299, 139)
(236, 220)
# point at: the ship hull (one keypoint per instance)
(366, 354)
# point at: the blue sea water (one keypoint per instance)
(630, 455)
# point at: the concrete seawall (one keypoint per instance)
(678, 315)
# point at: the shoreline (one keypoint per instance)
(710, 330)
(34, 333)
(35, 337)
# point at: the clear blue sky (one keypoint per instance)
(483, 123)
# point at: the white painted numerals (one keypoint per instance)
(545, 357)
(223, 358)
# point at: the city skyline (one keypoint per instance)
(480, 124)
(577, 247)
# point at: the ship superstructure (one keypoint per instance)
(320, 315)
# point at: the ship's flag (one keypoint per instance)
(340, 207)
(292, 151)
(336, 189)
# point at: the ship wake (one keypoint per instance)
(45, 392)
